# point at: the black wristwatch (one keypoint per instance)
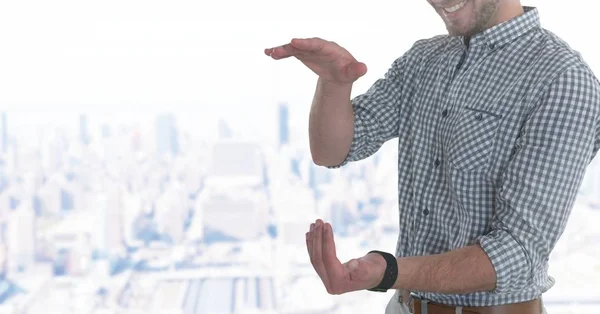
(390, 275)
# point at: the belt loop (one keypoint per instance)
(424, 306)
(459, 310)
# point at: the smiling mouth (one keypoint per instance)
(455, 7)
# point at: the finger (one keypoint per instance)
(309, 242)
(282, 52)
(307, 236)
(309, 44)
(329, 254)
(331, 261)
(317, 254)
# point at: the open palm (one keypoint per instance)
(357, 274)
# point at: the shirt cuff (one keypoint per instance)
(510, 261)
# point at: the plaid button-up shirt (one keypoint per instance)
(493, 143)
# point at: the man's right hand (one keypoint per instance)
(331, 62)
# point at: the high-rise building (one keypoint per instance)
(284, 124)
(3, 260)
(236, 162)
(3, 134)
(84, 135)
(224, 130)
(72, 249)
(195, 231)
(234, 215)
(110, 238)
(166, 135)
(115, 243)
(20, 238)
(105, 131)
(3, 180)
(59, 195)
(340, 218)
(171, 213)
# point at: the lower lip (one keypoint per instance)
(455, 14)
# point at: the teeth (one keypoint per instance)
(455, 8)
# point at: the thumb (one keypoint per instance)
(356, 69)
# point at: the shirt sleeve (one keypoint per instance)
(376, 112)
(540, 184)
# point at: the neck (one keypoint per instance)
(508, 10)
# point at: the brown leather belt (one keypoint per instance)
(529, 307)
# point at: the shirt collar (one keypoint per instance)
(504, 33)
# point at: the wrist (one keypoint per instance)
(331, 88)
(386, 270)
(380, 266)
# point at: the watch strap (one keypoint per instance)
(390, 275)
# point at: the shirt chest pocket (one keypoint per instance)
(473, 138)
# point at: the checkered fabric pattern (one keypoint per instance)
(493, 143)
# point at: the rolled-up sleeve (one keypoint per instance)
(376, 112)
(540, 184)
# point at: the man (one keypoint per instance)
(496, 123)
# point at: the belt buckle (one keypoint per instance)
(425, 303)
(411, 298)
(404, 298)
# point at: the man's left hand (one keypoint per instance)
(357, 274)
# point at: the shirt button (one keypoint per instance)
(491, 46)
(426, 212)
(437, 163)
(445, 113)
(479, 117)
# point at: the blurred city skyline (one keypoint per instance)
(119, 214)
(110, 207)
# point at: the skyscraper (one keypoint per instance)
(166, 135)
(111, 226)
(171, 211)
(224, 130)
(236, 162)
(3, 135)
(238, 215)
(83, 130)
(20, 236)
(284, 121)
(105, 130)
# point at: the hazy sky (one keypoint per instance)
(207, 56)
